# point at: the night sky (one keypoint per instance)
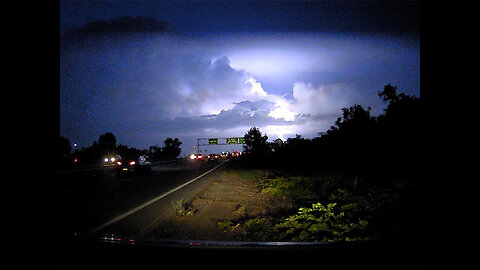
(287, 67)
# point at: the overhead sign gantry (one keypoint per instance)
(219, 141)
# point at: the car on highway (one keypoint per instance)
(111, 159)
(196, 157)
(226, 154)
(134, 164)
(213, 157)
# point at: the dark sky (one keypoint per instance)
(254, 16)
(222, 67)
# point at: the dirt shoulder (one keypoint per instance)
(229, 197)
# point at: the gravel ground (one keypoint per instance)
(228, 197)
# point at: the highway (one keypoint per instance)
(105, 201)
(120, 208)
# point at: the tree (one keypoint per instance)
(401, 130)
(125, 151)
(355, 119)
(172, 148)
(389, 93)
(255, 143)
(348, 146)
(107, 142)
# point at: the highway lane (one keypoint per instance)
(91, 198)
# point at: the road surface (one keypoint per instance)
(105, 201)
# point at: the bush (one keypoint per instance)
(298, 189)
(320, 223)
(312, 224)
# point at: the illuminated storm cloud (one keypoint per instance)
(172, 86)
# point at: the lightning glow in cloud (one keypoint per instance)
(171, 86)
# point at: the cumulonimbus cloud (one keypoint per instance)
(167, 85)
(128, 86)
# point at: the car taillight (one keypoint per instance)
(119, 163)
(132, 163)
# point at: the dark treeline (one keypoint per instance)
(107, 145)
(357, 144)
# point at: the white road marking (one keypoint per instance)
(140, 207)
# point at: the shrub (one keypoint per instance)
(320, 223)
(298, 189)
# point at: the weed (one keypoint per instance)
(181, 208)
(225, 226)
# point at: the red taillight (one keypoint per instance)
(132, 163)
(119, 163)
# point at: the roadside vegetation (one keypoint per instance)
(182, 208)
(359, 181)
(323, 208)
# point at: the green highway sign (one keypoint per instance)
(219, 141)
(236, 140)
(232, 140)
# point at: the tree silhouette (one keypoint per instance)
(400, 130)
(126, 151)
(172, 148)
(255, 143)
(107, 142)
(389, 93)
